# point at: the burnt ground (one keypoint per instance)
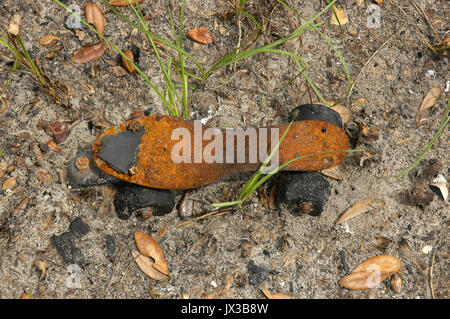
(230, 255)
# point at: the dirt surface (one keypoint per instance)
(232, 254)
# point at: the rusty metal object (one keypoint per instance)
(139, 151)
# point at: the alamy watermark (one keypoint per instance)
(225, 145)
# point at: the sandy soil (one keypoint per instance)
(303, 256)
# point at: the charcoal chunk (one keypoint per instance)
(66, 248)
(110, 245)
(256, 274)
(79, 228)
(304, 192)
(131, 197)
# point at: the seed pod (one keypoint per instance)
(48, 39)
(90, 53)
(95, 16)
(128, 66)
(396, 283)
(124, 3)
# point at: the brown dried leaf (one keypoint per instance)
(48, 39)
(9, 184)
(201, 35)
(333, 172)
(360, 208)
(150, 248)
(379, 2)
(124, 3)
(53, 146)
(44, 177)
(128, 66)
(344, 112)
(59, 130)
(276, 295)
(95, 16)
(22, 206)
(363, 280)
(90, 53)
(382, 263)
(341, 15)
(428, 101)
(14, 24)
(42, 266)
(146, 265)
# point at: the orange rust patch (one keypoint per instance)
(156, 168)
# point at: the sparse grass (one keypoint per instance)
(20, 56)
(445, 120)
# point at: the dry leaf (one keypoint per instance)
(124, 3)
(441, 183)
(344, 112)
(95, 16)
(428, 101)
(379, 2)
(146, 265)
(371, 272)
(150, 248)
(90, 53)
(53, 146)
(381, 263)
(360, 208)
(44, 177)
(14, 24)
(128, 66)
(42, 266)
(276, 295)
(333, 172)
(48, 39)
(201, 35)
(363, 280)
(341, 15)
(9, 184)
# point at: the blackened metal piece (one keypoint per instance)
(304, 192)
(131, 197)
(90, 176)
(120, 151)
(315, 112)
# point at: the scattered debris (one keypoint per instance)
(58, 130)
(428, 101)
(341, 15)
(257, 274)
(90, 53)
(201, 35)
(14, 24)
(42, 266)
(361, 207)
(82, 173)
(334, 172)
(371, 272)
(420, 196)
(21, 206)
(53, 146)
(110, 246)
(275, 295)
(396, 283)
(440, 183)
(124, 3)
(146, 265)
(9, 184)
(44, 177)
(48, 39)
(304, 192)
(426, 249)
